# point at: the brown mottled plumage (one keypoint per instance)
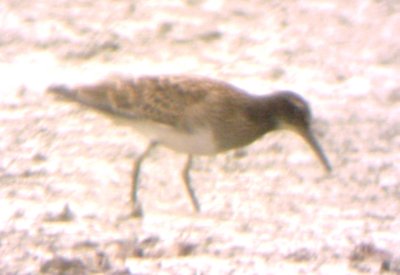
(194, 115)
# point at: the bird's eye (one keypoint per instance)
(301, 110)
(299, 104)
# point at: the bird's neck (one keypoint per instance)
(264, 111)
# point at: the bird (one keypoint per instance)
(195, 115)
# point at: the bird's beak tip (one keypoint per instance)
(311, 140)
(328, 168)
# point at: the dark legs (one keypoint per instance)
(186, 181)
(137, 210)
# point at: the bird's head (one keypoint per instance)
(293, 113)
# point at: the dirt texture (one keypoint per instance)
(268, 208)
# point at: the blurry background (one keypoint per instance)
(65, 171)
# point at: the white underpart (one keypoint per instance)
(200, 142)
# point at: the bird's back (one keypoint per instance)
(163, 106)
(165, 99)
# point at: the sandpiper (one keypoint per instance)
(194, 115)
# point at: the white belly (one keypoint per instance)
(200, 142)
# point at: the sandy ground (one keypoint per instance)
(266, 209)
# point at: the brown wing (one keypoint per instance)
(181, 101)
(162, 99)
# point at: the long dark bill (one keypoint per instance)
(312, 141)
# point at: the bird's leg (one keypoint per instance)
(137, 163)
(186, 180)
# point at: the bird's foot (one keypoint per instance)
(137, 211)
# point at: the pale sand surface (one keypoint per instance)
(267, 209)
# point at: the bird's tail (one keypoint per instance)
(63, 91)
(101, 96)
